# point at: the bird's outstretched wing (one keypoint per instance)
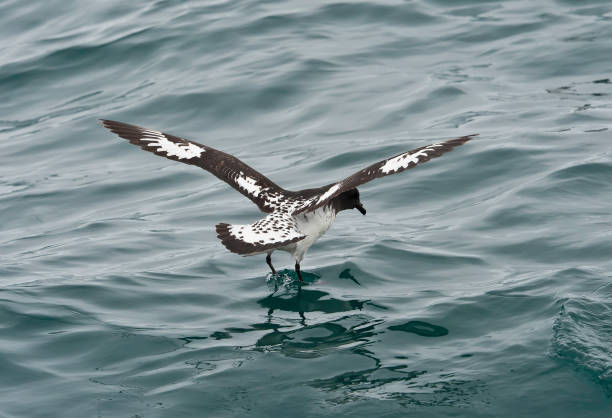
(275, 230)
(248, 181)
(382, 168)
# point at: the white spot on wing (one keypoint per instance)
(248, 184)
(180, 150)
(403, 160)
(330, 192)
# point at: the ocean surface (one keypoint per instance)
(477, 285)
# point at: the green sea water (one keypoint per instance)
(477, 285)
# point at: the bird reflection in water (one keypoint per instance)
(303, 300)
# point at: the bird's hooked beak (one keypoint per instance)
(360, 208)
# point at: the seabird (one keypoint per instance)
(294, 220)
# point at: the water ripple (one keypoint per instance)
(116, 298)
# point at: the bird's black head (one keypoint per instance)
(348, 200)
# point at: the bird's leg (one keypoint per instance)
(269, 261)
(297, 270)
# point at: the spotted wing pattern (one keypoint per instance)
(275, 230)
(393, 165)
(248, 181)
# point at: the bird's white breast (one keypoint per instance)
(316, 223)
(313, 225)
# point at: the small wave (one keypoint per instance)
(593, 171)
(424, 329)
(585, 180)
(415, 255)
(582, 336)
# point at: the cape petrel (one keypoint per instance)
(295, 220)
